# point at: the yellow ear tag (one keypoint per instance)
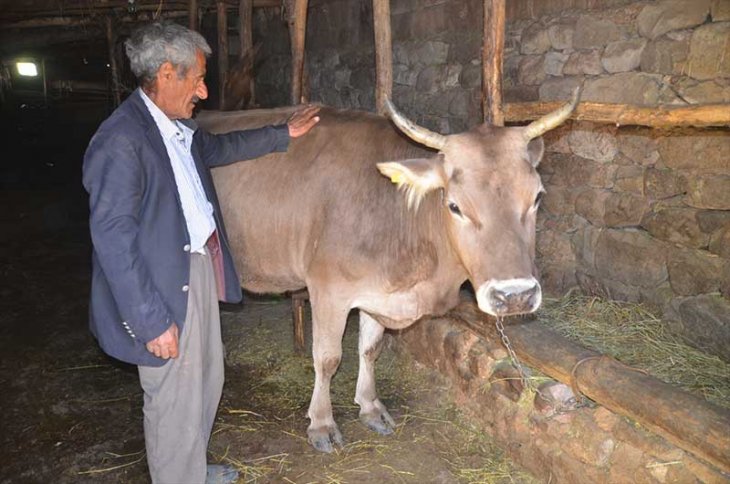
(396, 178)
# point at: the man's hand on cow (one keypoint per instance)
(303, 120)
(165, 345)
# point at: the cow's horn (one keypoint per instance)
(412, 130)
(553, 119)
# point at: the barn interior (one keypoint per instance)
(637, 215)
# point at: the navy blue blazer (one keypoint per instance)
(141, 255)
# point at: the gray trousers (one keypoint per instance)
(182, 396)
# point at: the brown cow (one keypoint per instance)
(323, 216)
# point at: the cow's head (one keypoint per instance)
(490, 191)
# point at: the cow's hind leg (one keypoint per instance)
(328, 326)
(372, 412)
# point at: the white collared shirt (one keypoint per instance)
(197, 210)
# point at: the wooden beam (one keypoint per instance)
(111, 39)
(222, 15)
(383, 54)
(492, 55)
(69, 21)
(297, 33)
(686, 420)
(193, 15)
(245, 36)
(624, 114)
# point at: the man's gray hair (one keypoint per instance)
(154, 44)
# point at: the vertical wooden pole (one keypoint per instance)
(383, 53)
(245, 36)
(111, 38)
(297, 34)
(222, 51)
(492, 54)
(193, 15)
(299, 300)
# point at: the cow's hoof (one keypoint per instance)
(325, 438)
(378, 420)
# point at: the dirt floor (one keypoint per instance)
(72, 415)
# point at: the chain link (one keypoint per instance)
(526, 382)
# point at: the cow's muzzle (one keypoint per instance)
(509, 297)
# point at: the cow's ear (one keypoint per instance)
(416, 176)
(535, 150)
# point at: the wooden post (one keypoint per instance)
(686, 420)
(245, 36)
(222, 50)
(297, 34)
(299, 300)
(193, 15)
(492, 54)
(111, 38)
(383, 54)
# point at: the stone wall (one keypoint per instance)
(631, 213)
(634, 213)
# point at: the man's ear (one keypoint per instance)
(535, 150)
(417, 176)
(166, 72)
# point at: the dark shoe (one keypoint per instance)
(221, 474)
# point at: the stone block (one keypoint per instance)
(610, 209)
(720, 242)
(520, 94)
(665, 56)
(661, 184)
(693, 272)
(593, 141)
(560, 200)
(558, 88)
(711, 192)
(704, 152)
(705, 92)
(676, 225)
(594, 32)
(624, 88)
(431, 78)
(720, 10)
(708, 49)
(404, 76)
(430, 53)
(706, 322)
(584, 62)
(531, 71)
(623, 55)
(573, 171)
(639, 145)
(661, 17)
(554, 397)
(631, 257)
(535, 40)
(554, 246)
(561, 35)
(630, 179)
(554, 62)
(713, 220)
(471, 76)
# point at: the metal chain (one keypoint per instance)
(526, 382)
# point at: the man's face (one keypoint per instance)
(176, 96)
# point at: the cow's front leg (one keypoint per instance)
(328, 325)
(372, 412)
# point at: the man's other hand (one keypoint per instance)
(165, 345)
(303, 120)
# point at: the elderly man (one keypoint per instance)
(161, 259)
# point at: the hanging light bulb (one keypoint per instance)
(132, 6)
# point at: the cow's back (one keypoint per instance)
(322, 205)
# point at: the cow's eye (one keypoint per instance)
(454, 208)
(538, 198)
